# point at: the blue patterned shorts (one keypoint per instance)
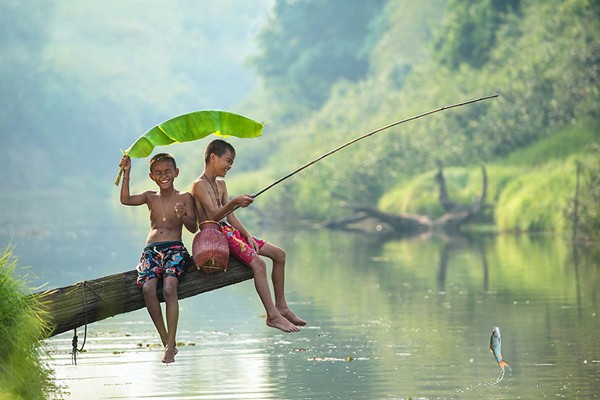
(162, 259)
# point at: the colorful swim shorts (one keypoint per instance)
(238, 245)
(162, 259)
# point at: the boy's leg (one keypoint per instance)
(278, 278)
(172, 311)
(239, 248)
(274, 317)
(153, 306)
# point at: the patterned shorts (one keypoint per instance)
(162, 259)
(238, 245)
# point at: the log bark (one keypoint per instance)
(86, 302)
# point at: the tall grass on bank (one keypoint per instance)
(531, 190)
(522, 198)
(23, 375)
(534, 200)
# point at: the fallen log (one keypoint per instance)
(375, 222)
(86, 302)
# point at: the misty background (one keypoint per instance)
(82, 80)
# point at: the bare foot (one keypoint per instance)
(293, 318)
(169, 355)
(282, 323)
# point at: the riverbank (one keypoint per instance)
(23, 375)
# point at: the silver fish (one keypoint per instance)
(495, 347)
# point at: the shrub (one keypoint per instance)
(23, 375)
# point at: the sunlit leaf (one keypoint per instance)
(190, 127)
(194, 126)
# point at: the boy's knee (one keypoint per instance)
(279, 257)
(258, 265)
(169, 290)
(148, 288)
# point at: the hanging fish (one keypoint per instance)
(495, 347)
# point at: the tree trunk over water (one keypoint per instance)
(94, 300)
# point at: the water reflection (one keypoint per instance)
(443, 296)
(456, 245)
(410, 318)
(387, 319)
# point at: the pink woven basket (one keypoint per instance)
(210, 249)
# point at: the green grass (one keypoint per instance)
(530, 190)
(534, 201)
(417, 196)
(571, 140)
(23, 375)
(420, 195)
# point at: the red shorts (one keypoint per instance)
(238, 245)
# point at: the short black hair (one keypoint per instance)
(217, 147)
(162, 157)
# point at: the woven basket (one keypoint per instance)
(210, 249)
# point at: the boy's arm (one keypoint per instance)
(188, 213)
(200, 191)
(126, 197)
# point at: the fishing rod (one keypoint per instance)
(366, 135)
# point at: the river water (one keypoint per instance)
(388, 319)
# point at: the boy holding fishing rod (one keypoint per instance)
(213, 203)
(164, 255)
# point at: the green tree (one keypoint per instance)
(543, 62)
(308, 45)
(469, 31)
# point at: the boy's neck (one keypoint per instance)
(167, 191)
(209, 175)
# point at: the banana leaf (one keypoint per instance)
(193, 126)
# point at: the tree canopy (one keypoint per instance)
(308, 45)
(540, 56)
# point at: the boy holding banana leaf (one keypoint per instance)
(213, 203)
(164, 256)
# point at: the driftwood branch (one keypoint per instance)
(460, 214)
(94, 300)
(372, 220)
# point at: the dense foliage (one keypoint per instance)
(22, 374)
(470, 31)
(540, 56)
(308, 45)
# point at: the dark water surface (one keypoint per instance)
(394, 319)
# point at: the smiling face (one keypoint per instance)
(218, 158)
(222, 164)
(164, 172)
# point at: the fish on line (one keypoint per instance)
(495, 348)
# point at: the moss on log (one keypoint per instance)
(94, 300)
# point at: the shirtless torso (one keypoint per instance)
(166, 214)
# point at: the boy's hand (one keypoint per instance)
(180, 210)
(125, 162)
(252, 243)
(243, 200)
